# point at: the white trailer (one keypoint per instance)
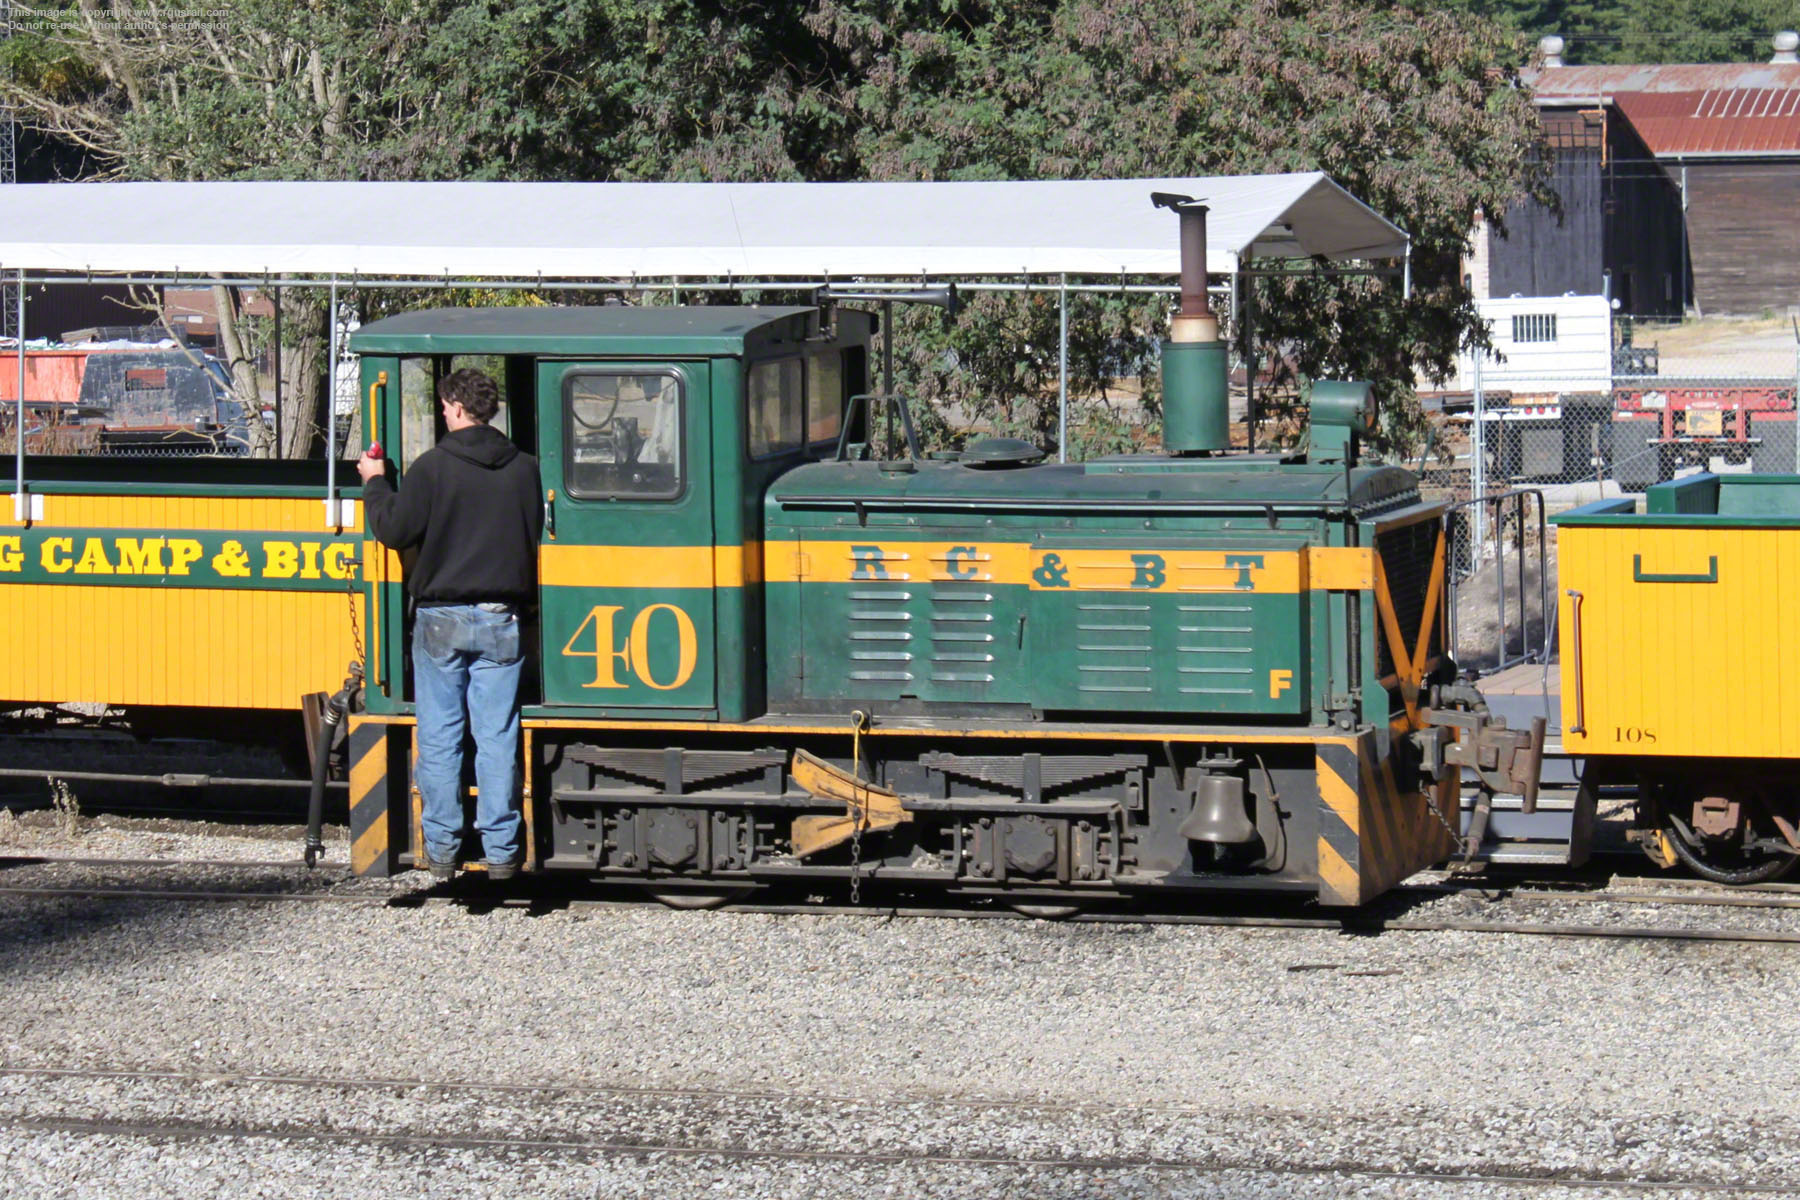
(1546, 385)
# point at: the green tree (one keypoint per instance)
(1412, 110)
(376, 89)
(1646, 31)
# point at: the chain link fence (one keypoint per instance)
(1577, 404)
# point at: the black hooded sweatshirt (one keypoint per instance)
(472, 506)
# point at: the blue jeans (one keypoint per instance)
(466, 662)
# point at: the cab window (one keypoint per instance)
(494, 367)
(824, 397)
(421, 420)
(776, 414)
(622, 435)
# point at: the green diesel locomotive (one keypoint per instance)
(767, 653)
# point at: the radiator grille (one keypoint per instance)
(1406, 555)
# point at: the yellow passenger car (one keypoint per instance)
(1681, 665)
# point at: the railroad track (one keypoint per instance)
(569, 894)
(328, 870)
(658, 1114)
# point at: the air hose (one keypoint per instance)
(335, 708)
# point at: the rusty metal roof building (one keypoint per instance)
(1687, 110)
(1716, 123)
(1572, 85)
(1676, 184)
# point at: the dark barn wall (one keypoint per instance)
(1743, 235)
(1621, 229)
(51, 312)
(1644, 235)
(1542, 253)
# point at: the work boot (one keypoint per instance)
(501, 872)
(442, 872)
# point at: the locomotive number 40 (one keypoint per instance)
(599, 637)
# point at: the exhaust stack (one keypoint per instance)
(1196, 411)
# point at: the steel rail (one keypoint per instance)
(1350, 922)
(50, 860)
(198, 1131)
(176, 779)
(1520, 886)
(1770, 896)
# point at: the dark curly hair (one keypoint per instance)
(474, 391)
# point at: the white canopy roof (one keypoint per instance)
(622, 230)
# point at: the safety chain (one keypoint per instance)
(350, 597)
(856, 860)
(1456, 835)
(860, 814)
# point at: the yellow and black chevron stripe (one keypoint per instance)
(1371, 833)
(371, 851)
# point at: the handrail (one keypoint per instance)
(1501, 502)
(334, 514)
(1580, 725)
(866, 399)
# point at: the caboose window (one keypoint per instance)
(622, 435)
(777, 407)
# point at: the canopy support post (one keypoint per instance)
(1247, 315)
(1062, 369)
(887, 349)
(21, 502)
(333, 516)
(280, 445)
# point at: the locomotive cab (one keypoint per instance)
(656, 431)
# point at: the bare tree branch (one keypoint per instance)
(240, 366)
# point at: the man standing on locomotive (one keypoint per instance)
(472, 508)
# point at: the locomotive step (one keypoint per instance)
(1559, 833)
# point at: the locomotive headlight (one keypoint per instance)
(1346, 404)
(1341, 411)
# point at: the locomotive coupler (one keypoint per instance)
(1460, 733)
(339, 704)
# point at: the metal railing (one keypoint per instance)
(1497, 580)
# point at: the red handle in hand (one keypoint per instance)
(374, 449)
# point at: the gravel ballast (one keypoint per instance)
(551, 1049)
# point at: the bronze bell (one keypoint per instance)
(1219, 814)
